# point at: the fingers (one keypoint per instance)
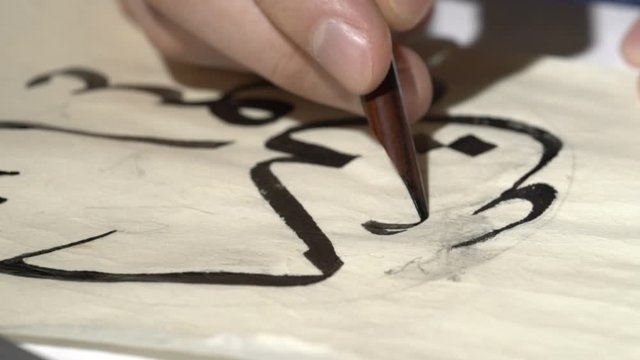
(201, 30)
(242, 32)
(402, 15)
(172, 40)
(415, 82)
(631, 45)
(348, 38)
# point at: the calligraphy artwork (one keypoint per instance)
(288, 148)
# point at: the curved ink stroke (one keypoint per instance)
(227, 108)
(551, 144)
(320, 251)
(382, 228)
(92, 79)
(194, 144)
(540, 196)
(18, 267)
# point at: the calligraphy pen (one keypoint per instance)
(387, 117)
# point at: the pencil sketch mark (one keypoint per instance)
(415, 261)
(320, 253)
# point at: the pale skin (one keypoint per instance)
(328, 51)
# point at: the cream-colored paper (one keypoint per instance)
(228, 221)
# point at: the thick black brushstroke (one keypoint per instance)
(381, 228)
(540, 196)
(227, 108)
(551, 144)
(18, 267)
(320, 251)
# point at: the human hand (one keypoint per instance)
(631, 46)
(328, 51)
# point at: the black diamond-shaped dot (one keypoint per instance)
(471, 145)
(425, 143)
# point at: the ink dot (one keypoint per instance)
(471, 145)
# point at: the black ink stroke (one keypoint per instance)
(18, 267)
(320, 253)
(92, 79)
(540, 196)
(381, 228)
(7, 173)
(227, 108)
(194, 144)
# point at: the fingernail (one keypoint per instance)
(345, 53)
(410, 11)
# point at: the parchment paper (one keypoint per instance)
(531, 249)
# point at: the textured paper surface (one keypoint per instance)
(531, 249)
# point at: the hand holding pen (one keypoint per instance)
(328, 51)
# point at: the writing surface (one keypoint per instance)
(533, 203)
